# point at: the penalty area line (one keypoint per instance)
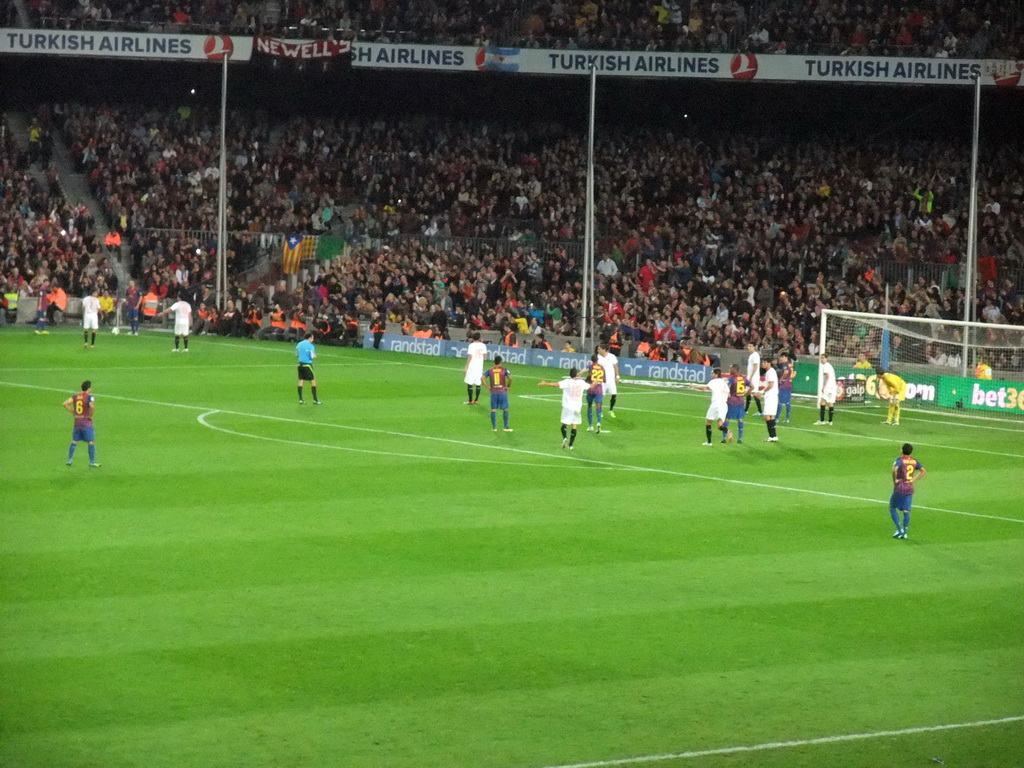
(575, 458)
(771, 745)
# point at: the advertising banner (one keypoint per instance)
(301, 50)
(862, 385)
(644, 369)
(1003, 397)
(126, 45)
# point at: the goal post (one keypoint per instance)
(947, 364)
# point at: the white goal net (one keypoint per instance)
(947, 364)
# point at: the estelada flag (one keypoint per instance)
(295, 249)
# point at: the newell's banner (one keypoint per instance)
(126, 45)
(644, 369)
(301, 50)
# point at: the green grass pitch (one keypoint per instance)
(383, 582)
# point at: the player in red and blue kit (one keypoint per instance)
(905, 472)
(736, 403)
(595, 395)
(82, 406)
(498, 381)
(786, 371)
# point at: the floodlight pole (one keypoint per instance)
(222, 194)
(587, 318)
(972, 228)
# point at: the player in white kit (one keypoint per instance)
(182, 320)
(827, 389)
(476, 353)
(719, 389)
(770, 392)
(754, 378)
(91, 316)
(573, 390)
(610, 363)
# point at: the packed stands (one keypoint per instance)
(46, 242)
(944, 28)
(704, 239)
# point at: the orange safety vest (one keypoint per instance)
(656, 354)
(511, 340)
(150, 303)
(113, 239)
(58, 297)
(378, 326)
(254, 318)
(277, 320)
(297, 323)
(643, 349)
(421, 334)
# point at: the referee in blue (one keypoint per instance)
(307, 354)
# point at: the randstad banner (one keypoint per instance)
(125, 45)
(644, 369)
(1006, 397)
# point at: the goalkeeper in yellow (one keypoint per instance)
(895, 393)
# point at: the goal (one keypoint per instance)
(947, 364)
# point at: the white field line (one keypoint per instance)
(278, 366)
(789, 744)
(202, 419)
(563, 456)
(789, 428)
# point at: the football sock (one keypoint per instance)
(789, 410)
(314, 392)
(590, 416)
(71, 451)
(724, 429)
(895, 515)
(611, 405)
(906, 521)
(186, 342)
(564, 433)
(94, 338)
(771, 428)
(747, 406)
(760, 408)
(504, 416)
(469, 392)
(831, 413)
(177, 339)
(599, 414)
(476, 397)
(821, 412)
(707, 430)
(92, 453)
(572, 436)
(85, 336)
(300, 394)
(740, 422)
(896, 413)
(494, 419)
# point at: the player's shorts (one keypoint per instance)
(610, 388)
(84, 435)
(499, 401)
(735, 412)
(91, 322)
(474, 379)
(771, 402)
(133, 314)
(900, 394)
(306, 372)
(901, 501)
(828, 395)
(572, 416)
(181, 329)
(591, 399)
(716, 412)
(785, 396)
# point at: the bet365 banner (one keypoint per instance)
(1006, 397)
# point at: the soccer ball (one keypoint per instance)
(115, 330)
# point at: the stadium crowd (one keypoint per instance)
(705, 239)
(942, 28)
(47, 244)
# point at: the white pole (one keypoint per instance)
(972, 227)
(587, 324)
(222, 195)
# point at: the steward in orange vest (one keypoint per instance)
(378, 328)
(253, 322)
(150, 304)
(297, 327)
(657, 352)
(510, 339)
(277, 328)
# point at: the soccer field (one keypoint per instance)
(382, 581)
